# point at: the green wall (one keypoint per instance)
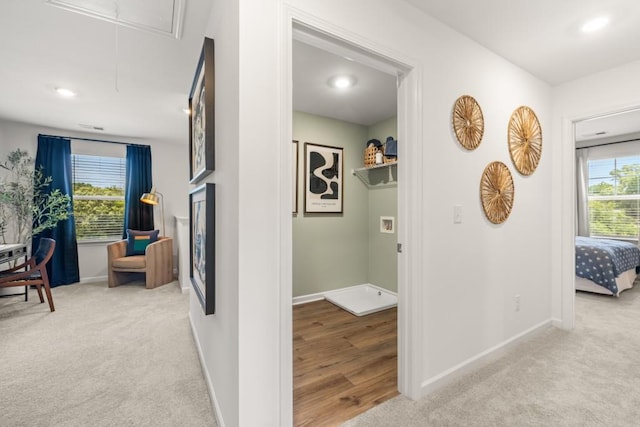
(383, 265)
(332, 251)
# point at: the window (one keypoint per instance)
(98, 196)
(614, 197)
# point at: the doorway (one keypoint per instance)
(607, 151)
(343, 364)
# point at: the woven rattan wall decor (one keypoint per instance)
(525, 140)
(468, 122)
(497, 192)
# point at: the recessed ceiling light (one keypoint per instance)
(342, 82)
(595, 24)
(67, 93)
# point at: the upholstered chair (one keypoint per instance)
(156, 263)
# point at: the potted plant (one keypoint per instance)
(25, 202)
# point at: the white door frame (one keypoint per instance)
(568, 213)
(410, 204)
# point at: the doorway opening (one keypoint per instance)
(607, 167)
(343, 363)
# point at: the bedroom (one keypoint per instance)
(607, 190)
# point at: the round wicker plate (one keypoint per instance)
(497, 192)
(525, 140)
(468, 122)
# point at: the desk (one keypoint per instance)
(14, 252)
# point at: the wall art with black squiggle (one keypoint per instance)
(323, 179)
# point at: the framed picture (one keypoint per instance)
(323, 179)
(202, 220)
(202, 117)
(294, 161)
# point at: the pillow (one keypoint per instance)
(137, 241)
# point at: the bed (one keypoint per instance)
(605, 266)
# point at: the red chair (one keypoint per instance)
(35, 271)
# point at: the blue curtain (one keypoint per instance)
(54, 156)
(137, 215)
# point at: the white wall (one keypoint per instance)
(614, 90)
(218, 335)
(471, 271)
(170, 175)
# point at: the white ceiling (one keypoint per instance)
(131, 83)
(543, 36)
(134, 83)
(372, 99)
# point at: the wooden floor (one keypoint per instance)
(343, 365)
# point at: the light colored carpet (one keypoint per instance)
(586, 377)
(106, 357)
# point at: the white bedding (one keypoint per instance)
(624, 281)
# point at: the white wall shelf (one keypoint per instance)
(384, 175)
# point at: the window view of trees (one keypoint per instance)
(99, 212)
(98, 196)
(614, 197)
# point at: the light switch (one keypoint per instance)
(457, 214)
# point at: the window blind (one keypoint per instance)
(98, 196)
(614, 197)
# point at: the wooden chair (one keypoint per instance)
(156, 263)
(35, 271)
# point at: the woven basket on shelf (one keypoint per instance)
(370, 156)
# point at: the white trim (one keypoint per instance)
(217, 412)
(480, 360)
(303, 299)
(285, 272)
(410, 209)
(93, 279)
(567, 222)
(319, 296)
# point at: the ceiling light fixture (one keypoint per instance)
(186, 111)
(67, 93)
(595, 24)
(342, 82)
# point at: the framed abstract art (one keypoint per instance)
(323, 179)
(202, 237)
(202, 116)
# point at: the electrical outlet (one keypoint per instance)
(516, 300)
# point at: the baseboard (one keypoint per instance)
(303, 299)
(217, 413)
(93, 279)
(479, 361)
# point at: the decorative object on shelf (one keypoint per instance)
(390, 150)
(202, 271)
(323, 179)
(497, 192)
(153, 198)
(468, 122)
(525, 140)
(294, 160)
(370, 152)
(202, 117)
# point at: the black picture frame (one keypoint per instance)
(202, 116)
(202, 244)
(323, 179)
